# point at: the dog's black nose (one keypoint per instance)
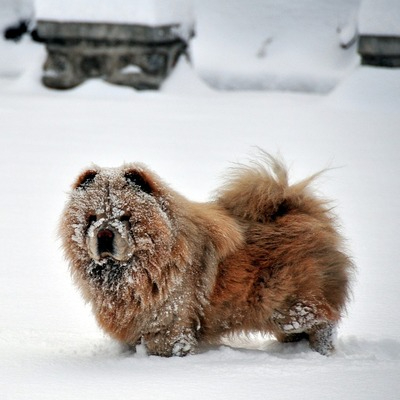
(105, 240)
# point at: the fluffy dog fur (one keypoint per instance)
(158, 268)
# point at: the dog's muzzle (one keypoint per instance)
(106, 241)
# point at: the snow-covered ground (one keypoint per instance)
(50, 346)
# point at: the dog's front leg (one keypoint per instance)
(173, 341)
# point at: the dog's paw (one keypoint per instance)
(186, 344)
(181, 348)
(306, 320)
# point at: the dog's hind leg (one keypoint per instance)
(306, 320)
(321, 338)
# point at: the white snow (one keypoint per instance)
(379, 17)
(294, 46)
(50, 346)
(131, 69)
(287, 45)
(149, 12)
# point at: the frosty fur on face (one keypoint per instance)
(158, 268)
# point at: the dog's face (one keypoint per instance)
(118, 217)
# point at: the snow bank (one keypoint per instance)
(379, 17)
(286, 45)
(14, 10)
(359, 90)
(14, 58)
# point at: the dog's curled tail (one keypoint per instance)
(261, 192)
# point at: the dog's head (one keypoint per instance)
(117, 217)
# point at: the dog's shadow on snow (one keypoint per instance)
(347, 347)
(237, 348)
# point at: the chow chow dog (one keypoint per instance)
(262, 256)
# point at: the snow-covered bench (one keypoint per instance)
(97, 41)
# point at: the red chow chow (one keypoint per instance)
(262, 256)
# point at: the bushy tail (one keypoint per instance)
(261, 192)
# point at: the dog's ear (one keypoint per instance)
(85, 179)
(140, 181)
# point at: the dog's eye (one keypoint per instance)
(125, 218)
(85, 179)
(137, 180)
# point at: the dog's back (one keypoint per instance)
(291, 278)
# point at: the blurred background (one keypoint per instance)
(308, 45)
